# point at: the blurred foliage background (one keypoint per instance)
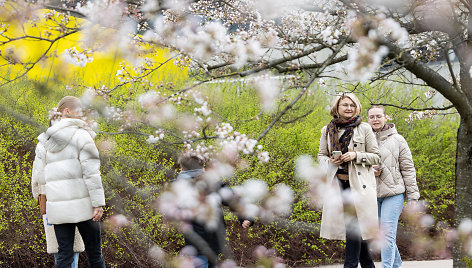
(134, 171)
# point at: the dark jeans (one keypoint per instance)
(91, 234)
(357, 250)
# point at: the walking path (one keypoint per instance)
(410, 264)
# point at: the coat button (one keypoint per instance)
(363, 186)
(358, 173)
(355, 144)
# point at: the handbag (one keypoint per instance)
(42, 203)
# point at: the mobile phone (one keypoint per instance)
(337, 154)
(377, 167)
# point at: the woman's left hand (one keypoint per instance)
(349, 156)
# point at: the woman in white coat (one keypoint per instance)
(350, 208)
(38, 187)
(396, 178)
(70, 165)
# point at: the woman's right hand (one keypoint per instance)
(336, 161)
(377, 170)
(97, 213)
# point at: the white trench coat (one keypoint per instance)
(362, 182)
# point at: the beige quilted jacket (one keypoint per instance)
(398, 174)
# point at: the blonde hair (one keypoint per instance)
(69, 102)
(352, 97)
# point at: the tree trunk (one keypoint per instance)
(463, 195)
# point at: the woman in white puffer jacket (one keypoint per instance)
(69, 165)
(38, 187)
(396, 178)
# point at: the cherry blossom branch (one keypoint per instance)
(144, 75)
(70, 11)
(310, 66)
(183, 141)
(429, 76)
(282, 60)
(326, 63)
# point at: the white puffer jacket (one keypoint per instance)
(67, 170)
(398, 174)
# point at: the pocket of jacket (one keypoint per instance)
(358, 145)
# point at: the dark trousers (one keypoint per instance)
(357, 250)
(91, 234)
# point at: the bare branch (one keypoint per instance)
(31, 65)
(451, 71)
(416, 109)
(298, 117)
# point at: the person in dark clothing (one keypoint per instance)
(209, 243)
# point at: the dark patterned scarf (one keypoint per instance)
(341, 144)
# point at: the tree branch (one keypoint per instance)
(326, 63)
(298, 117)
(27, 69)
(451, 71)
(415, 109)
(144, 75)
(310, 66)
(429, 76)
(282, 60)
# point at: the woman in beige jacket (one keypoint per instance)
(348, 150)
(396, 177)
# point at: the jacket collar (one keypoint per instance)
(384, 134)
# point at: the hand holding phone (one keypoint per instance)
(337, 154)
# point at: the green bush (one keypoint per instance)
(134, 171)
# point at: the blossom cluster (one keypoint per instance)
(306, 171)
(112, 113)
(149, 99)
(257, 201)
(366, 57)
(72, 55)
(268, 90)
(187, 258)
(103, 12)
(54, 114)
(159, 135)
(200, 198)
(419, 115)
